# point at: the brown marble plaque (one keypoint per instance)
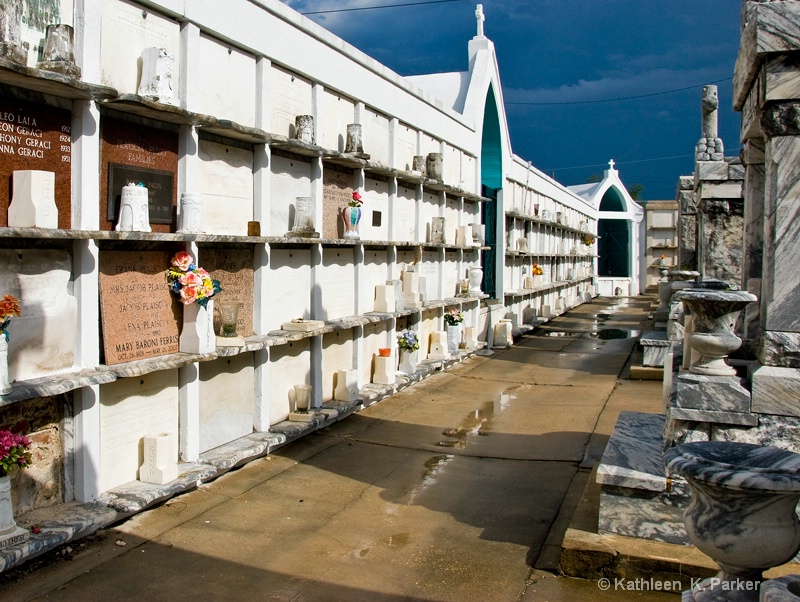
(139, 314)
(337, 191)
(234, 270)
(140, 147)
(35, 136)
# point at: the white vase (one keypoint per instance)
(10, 533)
(5, 387)
(408, 361)
(453, 338)
(197, 335)
(475, 275)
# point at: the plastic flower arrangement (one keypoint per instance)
(453, 317)
(356, 200)
(190, 282)
(588, 240)
(14, 452)
(408, 340)
(536, 270)
(9, 308)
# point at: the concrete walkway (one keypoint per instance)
(458, 488)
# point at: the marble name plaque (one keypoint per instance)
(159, 186)
(35, 136)
(139, 314)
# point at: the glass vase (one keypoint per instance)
(351, 216)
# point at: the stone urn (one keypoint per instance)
(742, 512)
(713, 319)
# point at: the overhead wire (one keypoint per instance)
(355, 8)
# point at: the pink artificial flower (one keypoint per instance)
(188, 295)
(182, 260)
(190, 279)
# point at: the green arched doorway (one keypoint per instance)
(613, 246)
(491, 183)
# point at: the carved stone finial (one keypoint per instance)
(709, 147)
(481, 18)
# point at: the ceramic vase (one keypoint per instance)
(351, 216)
(197, 335)
(453, 338)
(5, 387)
(408, 361)
(475, 275)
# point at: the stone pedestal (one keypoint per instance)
(654, 347)
(33, 202)
(503, 334)
(471, 337)
(346, 385)
(411, 292)
(438, 225)
(438, 346)
(160, 464)
(384, 373)
(384, 298)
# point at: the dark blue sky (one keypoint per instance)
(574, 51)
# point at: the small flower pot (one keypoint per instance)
(385, 352)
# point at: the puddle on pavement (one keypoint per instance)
(434, 466)
(616, 333)
(477, 423)
(564, 333)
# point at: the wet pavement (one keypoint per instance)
(458, 488)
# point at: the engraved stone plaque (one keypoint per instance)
(160, 190)
(139, 314)
(35, 136)
(143, 154)
(234, 269)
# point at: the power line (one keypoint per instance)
(347, 10)
(588, 102)
(552, 169)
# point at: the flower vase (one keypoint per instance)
(5, 387)
(351, 216)
(453, 338)
(197, 335)
(10, 533)
(408, 361)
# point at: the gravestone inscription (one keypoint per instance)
(35, 136)
(234, 269)
(138, 312)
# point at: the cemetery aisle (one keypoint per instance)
(450, 490)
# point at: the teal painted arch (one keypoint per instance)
(612, 201)
(491, 144)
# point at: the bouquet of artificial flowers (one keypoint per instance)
(190, 282)
(9, 308)
(14, 452)
(408, 340)
(453, 317)
(356, 200)
(536, 270)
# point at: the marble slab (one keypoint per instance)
(339, 111)
(337, 284)
(289, 96)
(131, 408)
(654, 348)
(290, 178)
(289, 365)
(290, 282)
(227, 387)
(42, 340)
(776, 391)
(717, 393)
(776, 348)
(633, 455)
(376, 135)
(125, 31)
(712, 416)
(337, 354)
(225, 68)
(645, 514)
(225, 179)
(233, 267)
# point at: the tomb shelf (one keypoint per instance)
(656, 247)
(545, 287)
(51, 234)
(556, 255)
(546, 222)
(56, 384)
(49, 82)
(230, 129)
(143, 107)
(298, 147)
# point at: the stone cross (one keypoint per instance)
(709, 147)
(611, 165)
(481, 18)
